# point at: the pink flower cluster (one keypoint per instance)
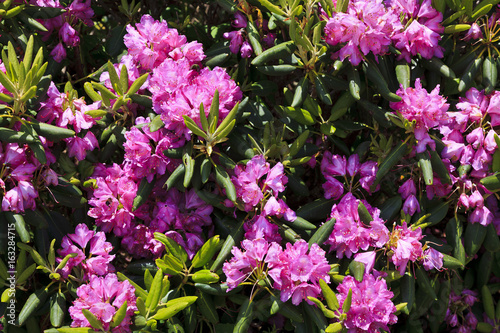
(371, 305)
(144, 150)
(78, 11)
(336, 166)
(94, 261)
(183, 217)
(371, 26)
(468, 142)
(424, 110)
(66, 112)
(296, 270)
(21, 176)
(350, 234)
(366, 27)
(253, 190)
(405, 246)
(422, 29)
(178, 88)
(103, 296)
(459, 313)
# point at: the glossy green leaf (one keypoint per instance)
(143, 192)
(206, 252)
(323, 232)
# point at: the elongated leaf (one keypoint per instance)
(155, 292)
(467, 78)
(396, 154)
(279, 51)
(245, 317)
(119, 314)
(322, 234)
(206, 252)
(34, 301)
(354, 83)
(57, 309)
(224, 180)
(143, 192)
(175, 176)
(474, 237)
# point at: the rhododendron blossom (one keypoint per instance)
(296, 270)
(371, 305)
(103, 296)
(94, 261)
(350, 234)
(424, 110)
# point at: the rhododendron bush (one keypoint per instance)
(250, 166)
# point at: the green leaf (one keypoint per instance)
(408, 291)
(322, 234)
(137, 84)
(426, 167)
(143, 192)
(439, 167)
(207, 308)
(481, 10)
(57, 309)
(119, 314)
(301, 116)
(329, 294)
(345, 101)
(155, 292)
(191, 125)
(124, 78)
(490, 74)
(437, 65)
(474, 237)
(26, 273)
(138, 289)
(20, 225)
(451, 262)
(364, 214)
(206, 252)
(34, 301)
(115, 80)
(105, 92)
(245, 317)
(357, 269)
(188, 162)
(205, 276)
(467, 79)
(276, 70)
(279, 51)
(347, 302)
(169, 264)
(175, 176)
(300, 92)
(224, 180)
(172, 247)
(94, 322)
(253, 37)
(156, 124)
(380, 84)
(492, 182)
(354, 83)
(403, 73)
(213, 116)
(169, 312)
(396, 154)
(272, 8)
(424, 283)
(322, 90)
(334, 328)
(488, 305)
(453, 29)
(232, 239)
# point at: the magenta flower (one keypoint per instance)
(405, 245)
(350, 234)
(371, 305)
(58, 52)
(428, 110)
(252, 263)
(103, 296)
(260, 227)
(297, 273)
(96, 260)
(433, 259)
